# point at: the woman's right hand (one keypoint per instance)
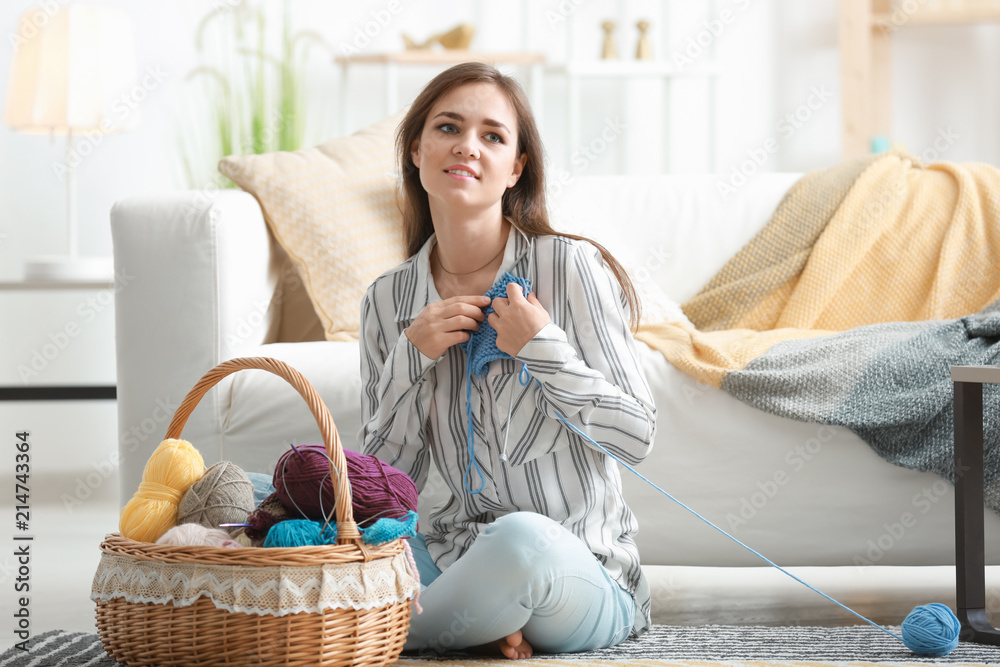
(445, 323)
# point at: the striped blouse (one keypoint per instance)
(414, 407)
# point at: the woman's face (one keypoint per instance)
(467, 151)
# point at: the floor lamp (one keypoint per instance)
(71, 72)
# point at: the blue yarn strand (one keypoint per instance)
(930, 630)
(921, 629)
(481, 349)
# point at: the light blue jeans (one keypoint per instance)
(524, 572)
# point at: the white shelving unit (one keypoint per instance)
(663, 73)
(49, 392)
(391, 63)
(578, 71)
(866, 28)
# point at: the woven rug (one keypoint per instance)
(689, 646)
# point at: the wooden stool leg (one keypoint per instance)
(970, 556)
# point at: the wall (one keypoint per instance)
(775, 58)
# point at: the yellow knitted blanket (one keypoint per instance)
(878, 239)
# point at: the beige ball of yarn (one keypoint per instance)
(224, 494)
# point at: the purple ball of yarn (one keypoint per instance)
(377, 489)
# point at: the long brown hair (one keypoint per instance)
(523, 203)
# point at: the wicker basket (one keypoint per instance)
(199, 632)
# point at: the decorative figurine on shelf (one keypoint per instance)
(458, 37)
(644, 49)
(610, 50)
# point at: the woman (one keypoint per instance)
(534, 549)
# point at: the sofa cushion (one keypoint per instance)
(333, 210)
(669, 232)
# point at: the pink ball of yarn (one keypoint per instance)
(377, 489)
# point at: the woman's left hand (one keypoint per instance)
(517, 319)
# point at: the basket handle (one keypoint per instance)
(347, 529)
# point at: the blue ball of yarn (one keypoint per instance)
(300, 533)
(931, 629)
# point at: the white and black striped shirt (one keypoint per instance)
(414, 407)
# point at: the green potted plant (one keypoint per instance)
(252, 98)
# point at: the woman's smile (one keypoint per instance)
(462, 172)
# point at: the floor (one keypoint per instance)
(64, 557)
(74, 504)
(68, 531)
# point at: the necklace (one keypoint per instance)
(492, 259)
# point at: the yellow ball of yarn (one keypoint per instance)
(172, 468)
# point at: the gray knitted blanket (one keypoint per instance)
(888, 383)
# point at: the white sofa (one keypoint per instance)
(206, 283)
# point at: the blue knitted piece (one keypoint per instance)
(481, 349)
(482, 346)
(386, 529)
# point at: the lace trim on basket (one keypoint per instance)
(272, 591)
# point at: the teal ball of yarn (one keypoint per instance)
(300, 533)
(931, 629)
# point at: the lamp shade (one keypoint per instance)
(72, 71)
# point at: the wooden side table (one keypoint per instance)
(57, 392)
(970, 552)
(865, 31)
